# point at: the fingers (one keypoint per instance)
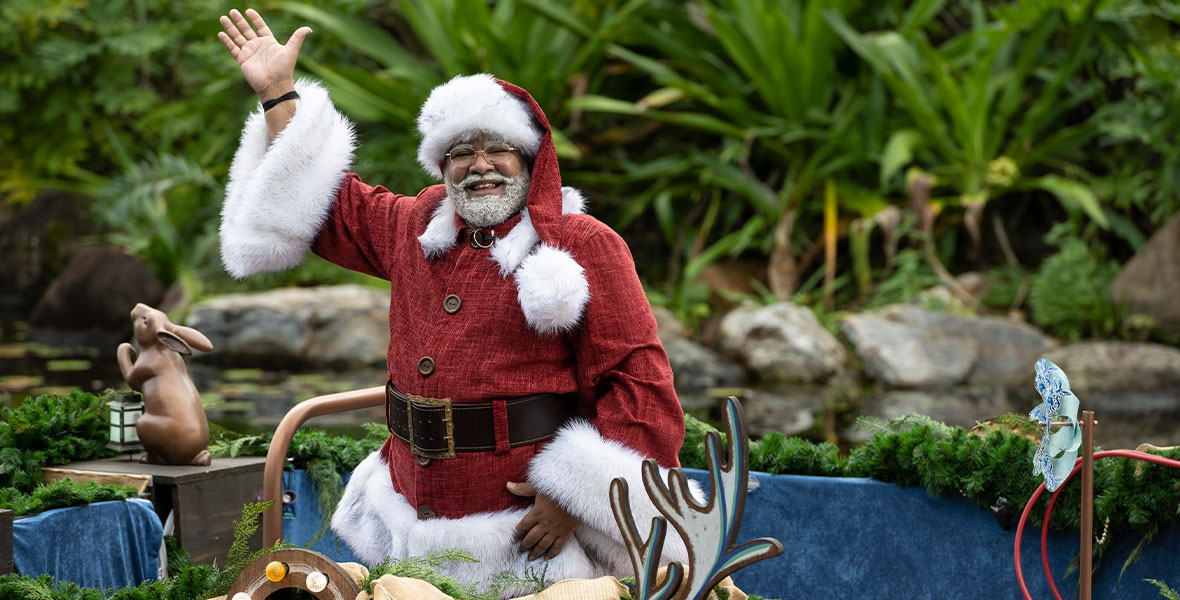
(232, 31)
(233, 48)
(555, 549)
(542, 546)
(528, 522)
(521, 489)
(259, 24)
(531, 538)
(296, 41)
(243, 26)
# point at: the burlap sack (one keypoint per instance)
(389, 587)
(358, 572)
(603, 588)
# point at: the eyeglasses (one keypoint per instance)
(464, 155)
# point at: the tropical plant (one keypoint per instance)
(982, 118)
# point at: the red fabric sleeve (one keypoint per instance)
(622, 366)
(361, 228)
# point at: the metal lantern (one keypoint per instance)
(126, 409)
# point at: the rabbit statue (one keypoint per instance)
(173, 428)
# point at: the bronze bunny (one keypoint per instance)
(173, 428)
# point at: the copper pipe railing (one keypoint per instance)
(276, 456)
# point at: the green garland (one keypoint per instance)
(46, 431)
(49, 430)
(61, 494)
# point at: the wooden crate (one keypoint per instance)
(206, 500)
(6, 565)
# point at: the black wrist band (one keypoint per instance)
(269, 104)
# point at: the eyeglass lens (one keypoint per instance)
(464, 156)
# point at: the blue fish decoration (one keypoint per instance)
(1055, 457)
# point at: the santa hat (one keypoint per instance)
(472, 105)
(551, 286)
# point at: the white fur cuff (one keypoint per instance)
(377, 522)
(576, 469)
(278, 198)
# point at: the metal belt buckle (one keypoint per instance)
(441, 406)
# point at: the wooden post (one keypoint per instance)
(6, 564)
(1086, 554)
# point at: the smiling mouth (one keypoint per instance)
(483, 187)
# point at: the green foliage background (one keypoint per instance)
(703, 130)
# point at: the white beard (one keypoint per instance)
(486, 211)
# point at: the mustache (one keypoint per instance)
(492, 176)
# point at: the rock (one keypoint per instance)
(694, 366)
(782, 342)
(36, 242)
(906, 346)
(666, 322)
(789, 409)
(1150, 282)
(96, 292)
(331, 325)
(1123, 377)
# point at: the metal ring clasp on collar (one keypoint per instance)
(480, 240)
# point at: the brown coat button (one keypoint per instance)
(452, 303)
(425, 512)
(426, 366)
(424, 461)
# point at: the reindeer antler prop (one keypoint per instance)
(709, 531)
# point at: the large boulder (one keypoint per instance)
(782, 342)
(694, 366)
(907, 346)
(332, 325)
(95, 293)
(1150, 282)
(36, 242)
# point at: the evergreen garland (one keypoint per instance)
(49, 430)
(61, 494)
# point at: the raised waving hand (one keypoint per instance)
(267, 65)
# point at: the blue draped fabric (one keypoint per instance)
(102, 545)
(302, 520)
(860, 538)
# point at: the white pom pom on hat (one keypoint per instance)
(472, 104)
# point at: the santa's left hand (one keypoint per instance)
(546, 528)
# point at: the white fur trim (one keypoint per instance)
(377, 522)
(440, 232)
(472, 104)
(511, 250)
(572, 201)
(552, 289)
(576, 469)
(278, 198)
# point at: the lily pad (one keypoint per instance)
(12, 351)
(67, 364)
(242, 374)
(11, 383)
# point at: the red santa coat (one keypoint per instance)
(486, 351)
(554, 306)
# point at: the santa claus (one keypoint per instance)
(524, 368)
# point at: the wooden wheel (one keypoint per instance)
(293, 568)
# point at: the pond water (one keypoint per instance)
(245, 400)
(255, 400)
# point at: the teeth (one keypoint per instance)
(484, 186)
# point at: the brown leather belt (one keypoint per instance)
(436, 428)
